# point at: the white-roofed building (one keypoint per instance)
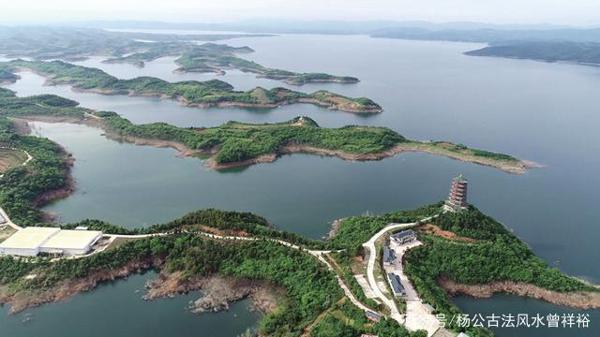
(31, 241)
(27, 242)
(71, 242)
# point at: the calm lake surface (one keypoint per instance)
(429, 90)
(118, 310)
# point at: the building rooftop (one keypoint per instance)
(29, 238)
(373, 315)
(403, 234)
(71, 239)
(397, 286)
(388, 254)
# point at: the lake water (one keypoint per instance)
(117, 309)
(429, 90)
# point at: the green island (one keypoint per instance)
(240, 144)
(216, 58)
(243, 247)
(586, 53)
(212, 93)
(77, 43)
(471, 253)
(136, 48)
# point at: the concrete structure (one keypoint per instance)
(27, 242)
(396, 285)
(404, 237)
(71, 242)
(32, 241)
(457, 199)
(462, 334)
(2, 219)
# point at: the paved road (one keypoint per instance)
(415, 307)
(370, 245)
(418, 314)
(418, 317)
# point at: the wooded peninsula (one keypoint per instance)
(312, 302)
(212, 93)
(241, 144)
(137, 48)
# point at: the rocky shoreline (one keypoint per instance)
(217, 292)
(22, 300)
(50, 80)
(516, 167)
(579, 299)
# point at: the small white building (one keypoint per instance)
(27, 241)
(31, 241)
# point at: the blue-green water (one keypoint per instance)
(429, 90)
(117, 309)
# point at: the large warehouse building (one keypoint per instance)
(32, 241)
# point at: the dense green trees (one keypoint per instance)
(211, 57)
(239, 141)
(497, 255)
(344, 261)
(550, 51)
(310, 287)
(354, 231)
(471, 223)
(21, 187)
(206, 93)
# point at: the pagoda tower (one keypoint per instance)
(457, 199)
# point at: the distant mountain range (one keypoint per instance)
(544, 42)
(415, 30)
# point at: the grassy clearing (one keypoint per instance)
(10, 158)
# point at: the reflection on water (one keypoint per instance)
(118, 310)
(429, 90)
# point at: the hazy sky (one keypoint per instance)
(574, 12)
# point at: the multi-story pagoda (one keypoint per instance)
(457, 199)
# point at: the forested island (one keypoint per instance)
(212, 93)
(309, 300)
(587, 53)
(137, 48)
(241, 144)
(217, 58)
(463, 253)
